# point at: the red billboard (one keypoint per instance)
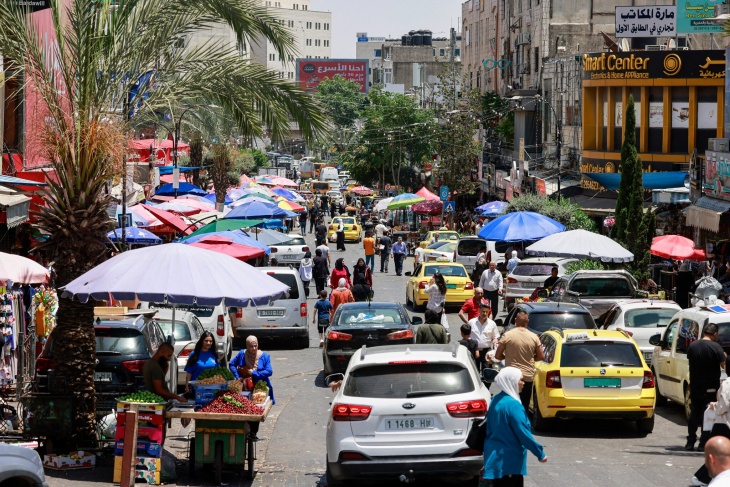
(310, 72)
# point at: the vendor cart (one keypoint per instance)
(220, 439)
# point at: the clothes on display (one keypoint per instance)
(11, 307)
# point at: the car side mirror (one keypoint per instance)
(542, 293)
(655, 340)
(417, 320)
(409, 273)
(171, 340)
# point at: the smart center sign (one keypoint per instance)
(708, 64)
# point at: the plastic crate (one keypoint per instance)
(205, 393)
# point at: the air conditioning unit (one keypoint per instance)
(655, 47)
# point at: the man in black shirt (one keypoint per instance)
(706, 359)
(320, 232)
(552, 279)
(324, 199)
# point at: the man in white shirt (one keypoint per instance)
(717, 460)
(434, 239)
(484, 331)
(492, 283)
(325, 251)
(380, 229)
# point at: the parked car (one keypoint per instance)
(403, 412)
(187, 330)
(215, 319)
(596, 374)
(284, 318)
(443, 235)
(547, 315)
(468, 248)
(530, 274)
(123, 344)
(642, 318)
(353, 230)
(364, 323)
(441, 251)
(459, 287)
(596, 290)
(21, 467)
(290, 252)
(669, 362)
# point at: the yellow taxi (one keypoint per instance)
(593, 374)
(353, 230)
(459, 287)
(443, 235)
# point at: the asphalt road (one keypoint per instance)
(291, 451)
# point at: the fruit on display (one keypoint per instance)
(231, 403)
(222, 371)
(235, 386)
(142, 396)
(216, 379)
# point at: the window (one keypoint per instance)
(542, 322)
(446, 270)
(317, 42)
(600, 354)
(125, 341)
(272, 57)
(305, 7)
(288, 280)
(442, 52)
(408, 380)
(688, 333)
(181, 330)
(457, 52)
(326, 43)
(317, 25)
(669, 336)
(291, 23)
(648, 317)
(291, 75)
(326, 27)
(548, 348)
(533, 269)
(291, 58)
(309, 25)
(388, 75)
(296, 6)
(378, 53)
(309, 42)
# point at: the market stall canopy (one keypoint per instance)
(651, 180)
(194, 203)
(404, 200)
(285, 193)
(269, 237)
(284, 182)
(675, 247)
(222, 225)
(134, 236)
(257, 210)
(212, 198)
(425, 193)
(382, 205)
(520, 226)
(226, 246)
(140, 216)
(21, 270)
(580, 244)
(364, 190)
(185, 188)
(178, 208)
(165, 170)
(289, 206)
(179, 274)
(236, 236)
(428, 207)
(493, 208)
(169, 218)
(248, 199)
(267, 181)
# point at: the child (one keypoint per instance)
(323, 308)
(468, 342)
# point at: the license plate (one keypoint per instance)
(451, 286)
(648, 356)
(102, 376)
(290, 257)
(529, 285)
(599, 382)
(408, 424)
(271, 312)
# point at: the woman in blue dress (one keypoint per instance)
(508, 434)
(203, 357)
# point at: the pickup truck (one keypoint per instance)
(596, 290)
(669, 362)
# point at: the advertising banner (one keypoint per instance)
(658, 21)
(693, 16)
(310, 72)
(706, 64)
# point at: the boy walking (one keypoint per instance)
(322, 309)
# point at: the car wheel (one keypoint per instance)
(646, 425)
(538, 422)
(660, 399)
(331, 481)
(326, 368)
(687, 403)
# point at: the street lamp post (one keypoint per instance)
(176, 137)
(558, 139)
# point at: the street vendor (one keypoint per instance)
(203, 357)
(254, 364)
(153, 373)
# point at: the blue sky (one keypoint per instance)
(386, 18)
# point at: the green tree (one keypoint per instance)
(341, 100)
(563, 211)
(102, 50)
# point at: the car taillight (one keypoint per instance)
(468, 286)
(350, 412)
(220, 327)
(185, 352)
(331, 227)
(239, 312)
(400, 335)
(133, 366)
(422, 284)
(467, 409)
(407, 362)
(454, 256)
(511, 280)
(303, 309)
(338, 335)
(648, 380)
(305, 249)
(43, 365)
(489, 256)
(552, 379)
(354, 227)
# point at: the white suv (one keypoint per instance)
(403, 412)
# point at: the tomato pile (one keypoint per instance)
(231, 403)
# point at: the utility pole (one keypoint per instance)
(452, 61)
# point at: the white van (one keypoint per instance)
(467, 249)
(330, 175)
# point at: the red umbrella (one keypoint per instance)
(170, 219)
(425, 193)
(428, 207)
(676, 247)
(226, 246)
(363, 190)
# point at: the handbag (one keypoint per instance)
(477, 434)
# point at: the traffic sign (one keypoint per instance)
(449, 206)
(444, 193)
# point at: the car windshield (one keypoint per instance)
(531, 269)
(288, 280)
(182, 330)
(471, 247)
(648, 318)
(596, 353)
(369, 316)
(437, 245)
(601, 286)
(122, 341)
(445, 270)
(198, 310)
(542, 322)
(448, 236)
(401, 381)
(345, 221)
(294, 241)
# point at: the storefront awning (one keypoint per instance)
(651, 180)
(706, 212)
(671, 196)
(16, 207)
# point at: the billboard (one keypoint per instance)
(658, 21)
(310, 72)
(693, 16)
(705, 64)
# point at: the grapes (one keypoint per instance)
(142, 396)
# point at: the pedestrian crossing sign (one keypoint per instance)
(449, 206)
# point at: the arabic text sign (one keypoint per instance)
(694, 16)
(310, 72)
(657, 21)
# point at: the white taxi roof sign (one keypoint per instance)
(577, 336)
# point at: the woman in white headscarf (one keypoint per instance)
(508, 433)
(512, 263)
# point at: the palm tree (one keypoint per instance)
(105, 53)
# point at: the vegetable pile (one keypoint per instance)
(231, 403)
(222, 371)
(142, 396)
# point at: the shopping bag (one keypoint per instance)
(708, 420)
(477, 434)
(444, 319)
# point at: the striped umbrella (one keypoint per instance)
(289, 206)
(404, 200)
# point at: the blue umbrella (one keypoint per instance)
(257, 210)
(135, 236)
(185, 188)
(285, 193)
(520, 226)
(211, 197)
(235, 236)
(492, 208)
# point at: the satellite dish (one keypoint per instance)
(671, 44)
(625, 44)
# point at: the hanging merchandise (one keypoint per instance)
(9, 332)
(46, 302)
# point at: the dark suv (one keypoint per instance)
(546, 315)
(123, 344)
